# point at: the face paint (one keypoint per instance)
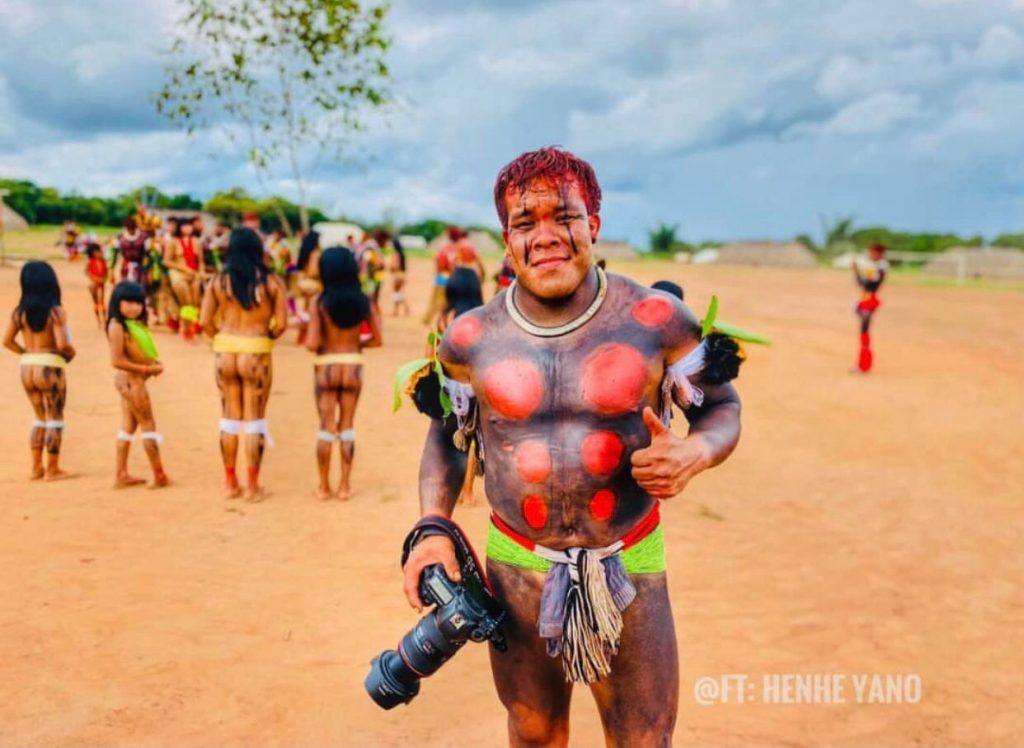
(535, 511)
(653, 312)
(613, 379)
(602, 505)
(533, 461)
(601, 452)
(466, 331)
(514, 388)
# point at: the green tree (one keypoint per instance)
(292, 79)
(663, 238)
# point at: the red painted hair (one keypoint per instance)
(550, 163)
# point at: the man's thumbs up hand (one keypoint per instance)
(665, 467)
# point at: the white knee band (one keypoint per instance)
(53, 424)
(229, 426)
(326, 436)
(124, 436)
(153, 436)
(258, 426)
(348, 435)
(37, 424)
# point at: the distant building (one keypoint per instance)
(13, 220)
(993, 263)
(756, 253)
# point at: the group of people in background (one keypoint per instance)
(244, 289)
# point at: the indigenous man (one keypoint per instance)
(571, 375)
(870, 275)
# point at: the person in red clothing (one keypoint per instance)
(184, 261)
(870, 275)
(96, 271)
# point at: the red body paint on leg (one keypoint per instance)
(514, 388)
(466, 331)
(535, 511)
(601, 452)
(613, 379)
(865, 360)
(653, 311)
(533, 461)
(602, 505)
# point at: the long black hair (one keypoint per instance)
(310, 242)
(245, 266)
(342, 298)
(126, 291)
(400, 251)
(40, 294)
(463, 291)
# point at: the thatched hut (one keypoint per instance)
(775, 254)
(994, 263)
(13, 221)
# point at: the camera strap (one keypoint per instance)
(435, 524)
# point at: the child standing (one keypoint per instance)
(134, 357)
(96, 271)
(45, 351)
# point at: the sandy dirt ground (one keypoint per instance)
(864, 525)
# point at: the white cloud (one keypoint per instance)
(670, 104)
(870, 115)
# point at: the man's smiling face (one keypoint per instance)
(549, 236)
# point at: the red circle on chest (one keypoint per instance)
(613, 379)
(466, 331)
(533, 461)
(602, 505)
(653, 312)
(535, 511)
(601, 452)
(514, 388)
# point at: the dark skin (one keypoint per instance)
(46, 386)
(244, 379)
(337, 388)
(575, 457)
(133, 369)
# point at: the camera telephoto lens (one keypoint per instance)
(395, 675)
(390, 682)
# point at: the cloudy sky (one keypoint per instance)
(732, 118)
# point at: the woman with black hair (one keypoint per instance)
(134, 356)
(307, 278)
(183, 258)
(462, 293)
(244, 309)
(335, 320)
(45, 350)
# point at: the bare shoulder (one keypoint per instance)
(468, 334)
(677, 324)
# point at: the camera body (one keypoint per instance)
(462, 612)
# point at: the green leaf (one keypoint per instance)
(446, 402)
(740, 334)
(402, 377)
(709, 318)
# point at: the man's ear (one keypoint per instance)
(595, 226)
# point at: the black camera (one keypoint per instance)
(463, 612)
